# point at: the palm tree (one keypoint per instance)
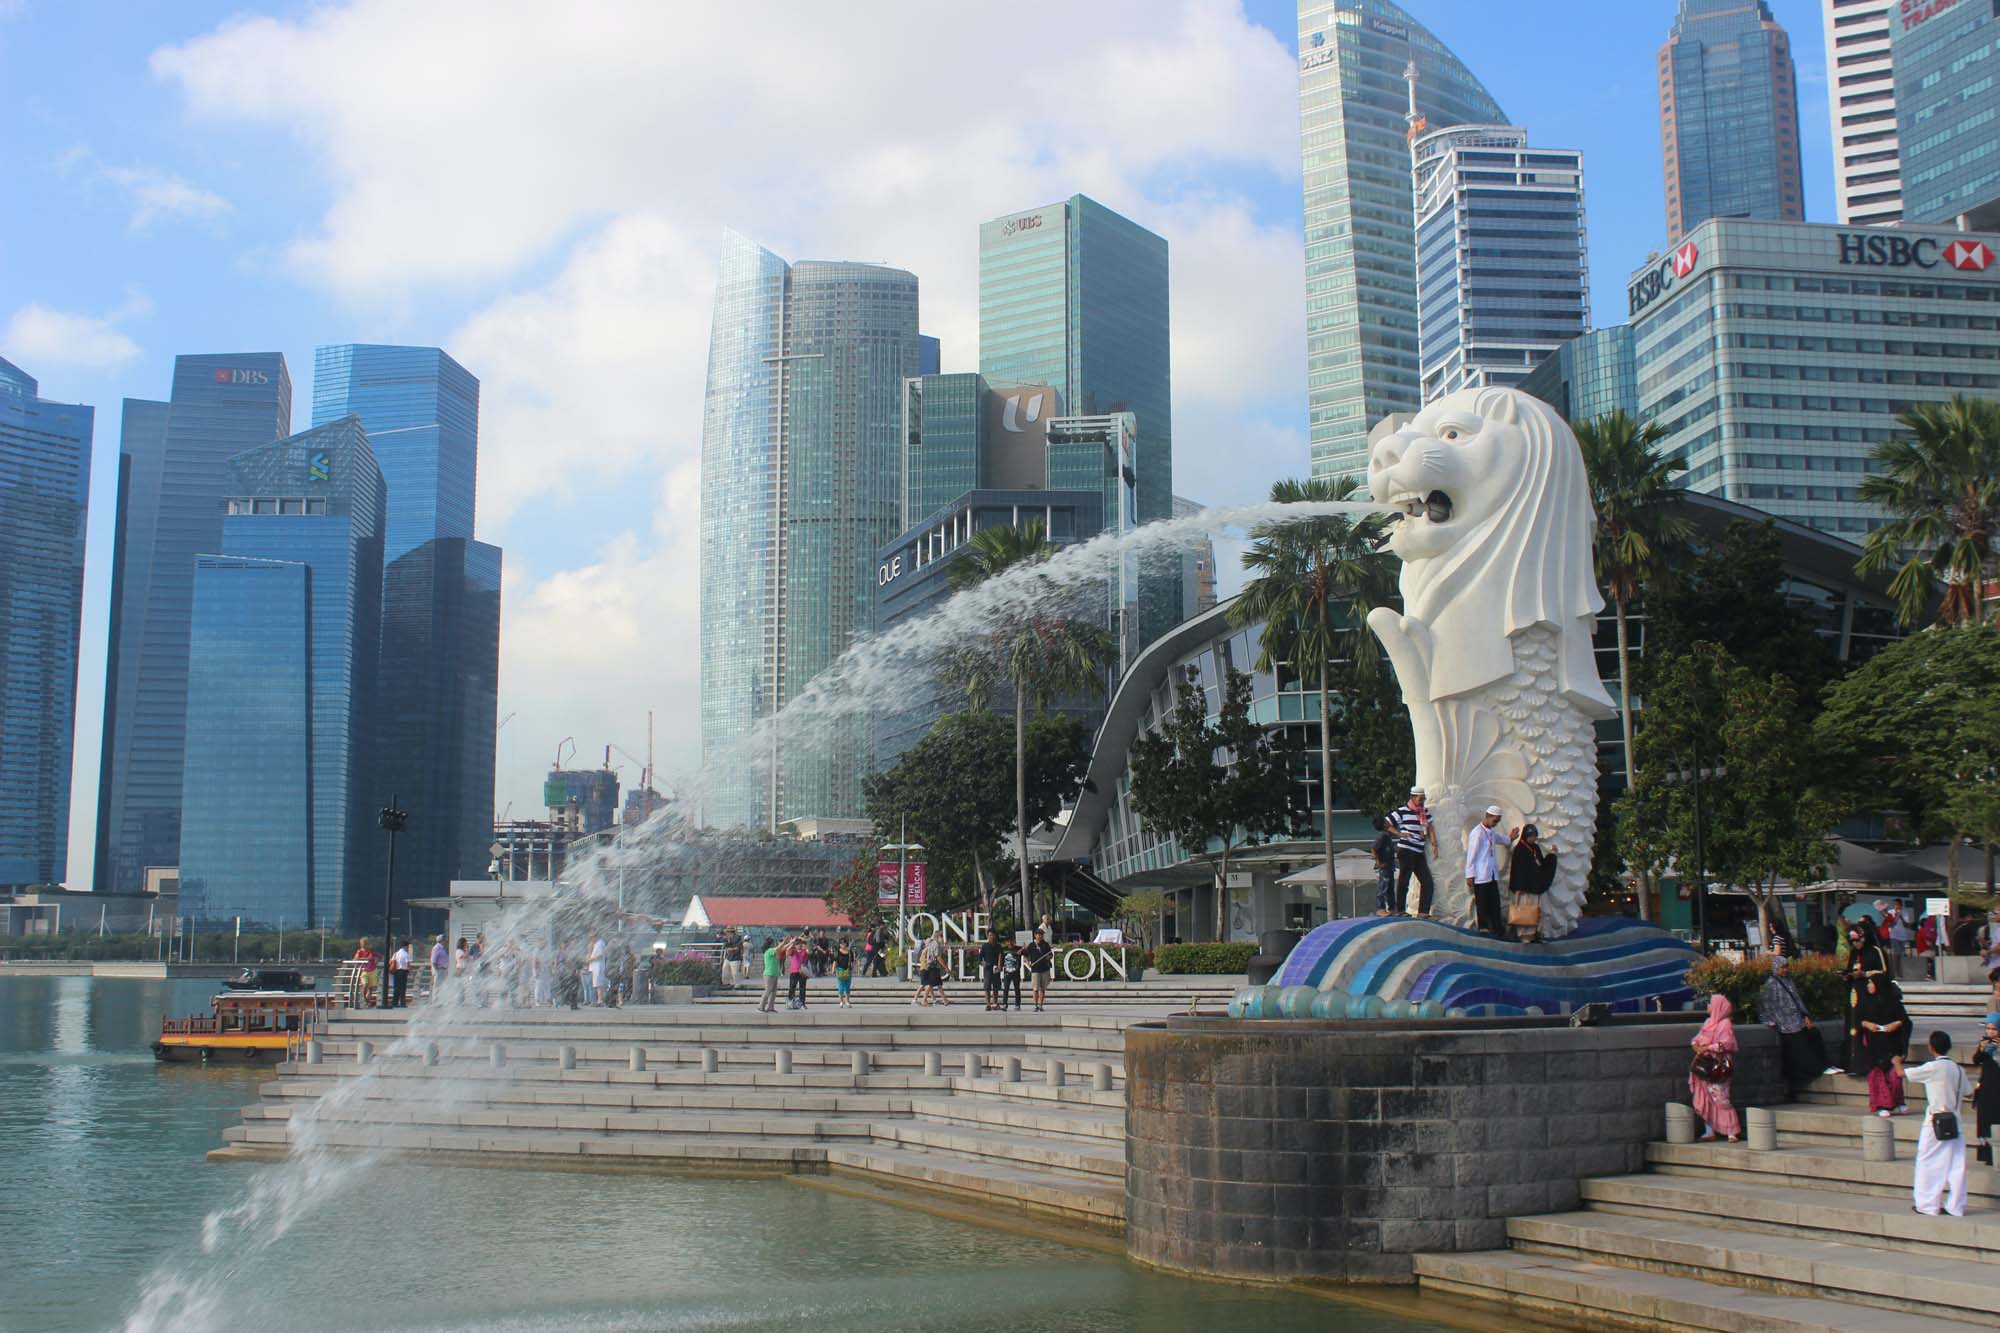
(1302, 571)
(1041, 655)
(1942, 485)
(1638, 526)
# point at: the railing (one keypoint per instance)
(357, 988)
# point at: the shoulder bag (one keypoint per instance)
(1525, 910)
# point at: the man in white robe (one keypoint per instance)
(1940, 1167)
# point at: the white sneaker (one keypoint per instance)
(1832, 1069)
(1883, 1114)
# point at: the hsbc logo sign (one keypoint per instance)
(1658, 280)
(1969, 256)
(242, 377)
(1880, 250)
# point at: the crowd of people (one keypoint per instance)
(596, 968)
(794, 961)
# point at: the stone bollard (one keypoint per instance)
(1680, 1123)
(635, 1060)
(364, 1051)
(858, 1062)
(710, 1062)
(315, 1053)
(1057, 1074)
(566, 1057)
(933, 1064)
(1010, 1069)
(973, 1064)
(431, 1054)
(1761, 1125)
(783, 1062)
(498, 1055)
(1878, 1139)
(1100, 1078)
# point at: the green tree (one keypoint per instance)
(1145, 909)
(1762, 818)
(1041, 654)
(1313, 582)
(1380, 762)
(1732, 592)
(1639, 527)
(1217, 786)
(853, 894)
(1917, 728)
(1942, 486)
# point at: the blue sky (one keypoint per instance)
(543, 199)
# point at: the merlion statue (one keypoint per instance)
(1494, 647)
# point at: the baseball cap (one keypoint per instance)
(1493, 810)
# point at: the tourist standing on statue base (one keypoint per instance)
(1039, 958)
(1713, 1069)
(1482, 871)
(1416, 839)
(1529, 875)
(1384, 851)
(1939, 1177)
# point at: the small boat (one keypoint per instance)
(267, 979)
(245, 1027)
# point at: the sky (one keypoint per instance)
(544, 199)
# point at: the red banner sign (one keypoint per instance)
(913, 884)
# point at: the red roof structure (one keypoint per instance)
(717, 912)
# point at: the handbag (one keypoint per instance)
(1944, 1126)
(1713, 1067)
(1524, 911)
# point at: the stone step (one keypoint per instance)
(1818, 1125)
(1605, 1296)
(1839, 1172)
(1882, 1221)
(472, 1075)
(495, 1141)
(676, 1022)
(1788, 1265)
(1070, 1094)
(1084, 1126)
(304, 1091)
(826, 1054)
(683, 1124)
(966, 1144)
(1073, 1198)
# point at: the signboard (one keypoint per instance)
(1873, 250)
(914, 883)
(1937, 907)
(1314, 59)
(1915, 13)
(1658, 280)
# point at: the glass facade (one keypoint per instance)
(1361, 278)
(277, 822)
(943, 425)
(802, 449)
(437, 704)
(1589, 376)
(44, 499)
(1501, 274)
(1074, 296)
(1776, 356)
(173, 476)
(1947, 63)
(1729, 116)
(1861, 105)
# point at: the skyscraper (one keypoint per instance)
(277, 822)
(1361, 273)
(1074, 296)
(1861, 100)
(1948, 111)
(44, 494)
(173, 476)
(1501, 275)
(801, 482)
(438, 700)
(1589, 376)
(1729, 116)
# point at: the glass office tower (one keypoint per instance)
(1948, 111)
(943, 422)
(277, 823)
(173, 476)
(1501, 275)
(1729, 116)
(801, 482)
(44, 497)
(1588, 376)
(437, 706)
(1361, 274)
(1074, 296)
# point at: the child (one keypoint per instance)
(843, 972)
(1010, 977)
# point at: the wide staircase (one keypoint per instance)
(1163, 994)
(1808, 1236)
(1027, 1110)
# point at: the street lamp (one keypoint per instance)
(394, 819)
(902, 847)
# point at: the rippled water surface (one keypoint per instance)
(103, 1189)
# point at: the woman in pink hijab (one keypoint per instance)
(1708, 1079)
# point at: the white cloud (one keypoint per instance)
(158, 194)
(605, 152)
(37, 335)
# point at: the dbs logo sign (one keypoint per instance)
(242, 377)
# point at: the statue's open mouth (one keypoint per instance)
(1435, 507)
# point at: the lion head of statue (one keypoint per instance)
(1493, 524)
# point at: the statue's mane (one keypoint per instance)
(1527, 562)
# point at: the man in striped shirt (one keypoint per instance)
(1415, 840)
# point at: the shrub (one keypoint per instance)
(687, 969)
(1817, 975)
(1207, 959)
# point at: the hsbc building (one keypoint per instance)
(1775, 356)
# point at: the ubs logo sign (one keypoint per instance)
(242, 377)
(1658, 280)
(1027, 222)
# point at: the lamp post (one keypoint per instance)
(902, 847)
(394, 819)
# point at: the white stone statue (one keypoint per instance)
(1494, 646)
